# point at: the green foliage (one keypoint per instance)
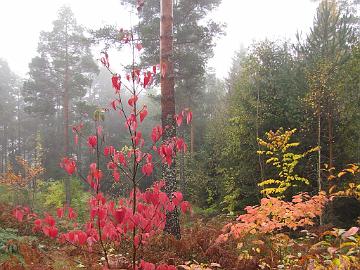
(264, 94)
(5, 194)
(51, 196)
(277, 150)
(349, 101)
(9, 244)
(12, 196)
(6, 235)
(324, 57)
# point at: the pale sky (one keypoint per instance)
(248, 20)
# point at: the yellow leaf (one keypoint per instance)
(331, 190)
(342, 173)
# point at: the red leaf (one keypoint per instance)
(113, 104)
(98, 175)
(68, 165)
(131, 122)
(109, 150)
(82, 237)
(147, 169)
(49, 220)
(146, 80)
(50, 231)
(37, 225)
(71, 213)
(19, 215)
(156, 133)
(133, 100)
(120, 158)
(138, 46)
(136, 72)
(60, 212)
(154, 69)
(184, 206)
(177, 198)
(93, 167)
(166, 267)
(138, 139)
(149, 158)
(119, 215)
(189, 117)
(116, 175)
(92, 141)
(147, 266)
(143, 113)
(178, 119)
(116, 83)
(180, 144)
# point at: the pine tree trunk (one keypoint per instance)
(192, 139)
(66, 120)
(172, 225)
(2, 152)
(5, 145)
(182, 165)
(79, 157)
(331, 143)
(319, 151)
(19, 128)
(319, 156)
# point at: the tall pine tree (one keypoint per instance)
(59, 77)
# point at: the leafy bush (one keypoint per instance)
(339, 249)
(277, 148)
(51, 196)
(274, 214)
(10, 243)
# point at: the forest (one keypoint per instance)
(122, 149)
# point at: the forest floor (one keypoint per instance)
(21, 249)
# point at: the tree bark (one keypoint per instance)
(319, 157)
(331, 143)
(319, 150)
(172, 225)
(19, 125)
(66, 119)
(2, 158)
(5, 149)
(182, 164)
(192, 139)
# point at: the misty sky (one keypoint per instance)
(248, 20)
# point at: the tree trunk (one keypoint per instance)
(19, 123)
(260, 160)
(66, 120)
(182, 165)
(331, 143)
(172, 225)
(79, 157)
(319, 151)
(319, 156)
(2, 153)
(192, 139)
(5, 149)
